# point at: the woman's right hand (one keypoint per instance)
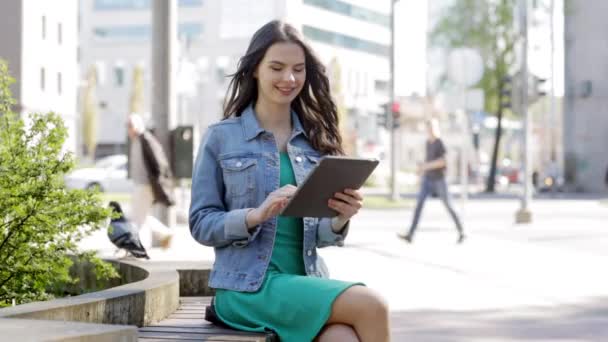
(272, 206)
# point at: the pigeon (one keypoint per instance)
(124, 235)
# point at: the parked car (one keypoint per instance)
(109, 174)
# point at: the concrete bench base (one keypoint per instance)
(29, 330)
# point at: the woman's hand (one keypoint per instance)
(272, 206)
(347, 204)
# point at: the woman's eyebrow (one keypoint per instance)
(282, 64)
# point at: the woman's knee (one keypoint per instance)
(337, 332)
(359, 303)
(375, 305)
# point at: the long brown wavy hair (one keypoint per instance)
(314, 105)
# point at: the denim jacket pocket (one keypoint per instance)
(313, 160)
(239, 175)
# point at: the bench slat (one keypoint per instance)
(188, 324)
(195, 336)
(212, 329)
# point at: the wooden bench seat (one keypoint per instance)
(188, 324)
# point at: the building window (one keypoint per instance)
(42, 79)
(43, 27)
(119, 76)
(352, 11)
(381, 86)
(59, 85)
(190, 3)
(105, 5)
(186, 30)
(113, 5)
(342, 40)
(59, 34)
(190, 30)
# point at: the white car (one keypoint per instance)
(109, 175)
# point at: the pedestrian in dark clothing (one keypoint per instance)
(151, 174)
(433, 180)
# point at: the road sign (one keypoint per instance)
(465, 67)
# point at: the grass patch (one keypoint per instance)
(116, 196)
(384, 202)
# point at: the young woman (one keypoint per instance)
(279, 119)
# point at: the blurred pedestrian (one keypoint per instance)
(279, 120)
(151, 174)
(433, 181)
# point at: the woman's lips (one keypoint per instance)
(285, 91)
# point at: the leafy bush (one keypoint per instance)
(41, 222)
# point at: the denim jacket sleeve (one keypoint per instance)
(211, 224)
(327, 237)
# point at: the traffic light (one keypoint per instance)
(537, 88)
(506, 92)
(383, 119)
(396, 112)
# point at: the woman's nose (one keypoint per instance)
(288, 76)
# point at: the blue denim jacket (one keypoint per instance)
(237, 166)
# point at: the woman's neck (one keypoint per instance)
(273, 117)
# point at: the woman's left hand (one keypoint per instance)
(347, 204)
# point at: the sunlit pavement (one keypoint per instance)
(506, 282)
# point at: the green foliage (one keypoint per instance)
(485, 25)
(90, 114)
(41, 222)
(136, 101)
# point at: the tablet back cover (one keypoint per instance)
(333, 174)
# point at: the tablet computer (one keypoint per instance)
(332, 174)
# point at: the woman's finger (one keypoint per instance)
(348, 199)
(342, 208)
(354, 193)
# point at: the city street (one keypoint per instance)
(507, 282)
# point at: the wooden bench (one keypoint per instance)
(188, 324)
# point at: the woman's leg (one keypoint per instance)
(442, 190)
(337, 332)
(365, 311)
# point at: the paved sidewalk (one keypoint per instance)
(538, 282)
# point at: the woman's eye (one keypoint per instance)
(298, 70)
(275, 68)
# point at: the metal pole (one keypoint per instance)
(394, 191)
(164, 42)
(524, 215)
(553, 152)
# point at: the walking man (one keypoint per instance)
(151, 174)
(433, 181)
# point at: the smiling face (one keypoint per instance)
(281, 73)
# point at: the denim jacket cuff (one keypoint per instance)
(235, 226)
(327, 237)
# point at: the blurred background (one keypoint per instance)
(459, 61)
(519, 88)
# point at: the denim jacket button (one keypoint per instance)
(309, 253)
(239, 164)
(298, 159)
(312, 267)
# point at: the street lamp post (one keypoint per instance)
(164, 40)
(524, 215)
(390, 117)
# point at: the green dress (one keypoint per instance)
(289, 302)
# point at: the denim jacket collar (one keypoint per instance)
(252, 128)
